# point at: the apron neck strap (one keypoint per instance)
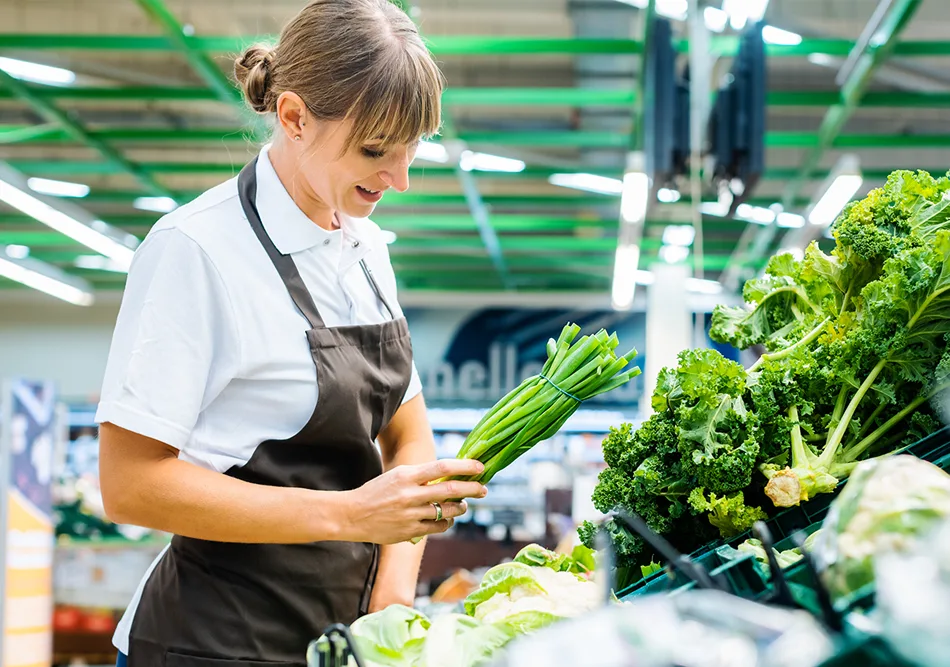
(247, 190)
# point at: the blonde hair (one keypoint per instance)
(350, 59)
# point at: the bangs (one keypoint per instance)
(402, 102)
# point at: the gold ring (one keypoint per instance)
(438, 510)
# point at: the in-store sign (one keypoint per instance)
(475, 382)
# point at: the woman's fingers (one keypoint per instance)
(429, 472)
(451, 490)
(434, 527)
(450, 510)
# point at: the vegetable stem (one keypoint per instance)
(807, 340)
(828, 455)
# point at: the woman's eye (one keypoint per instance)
(373, 152)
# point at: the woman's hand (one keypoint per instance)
(397, 505)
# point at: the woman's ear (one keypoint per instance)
(292, 116)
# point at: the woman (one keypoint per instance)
(259, 353)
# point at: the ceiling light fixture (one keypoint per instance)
(634, 197)
(155, 204)
(715, 19)
(470, 161)
(668, 195)
(790, 220)
(95, 239)
(36, 73)
(46, 278)
(18, 251)
(673, 254)
(432, 151)
(625, 277)
(773, 35)
(839, 188)
(588, 182)
(388, 236)
(46, 186)
(681, 235)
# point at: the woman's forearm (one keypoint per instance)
(408, 440)
(144, 483)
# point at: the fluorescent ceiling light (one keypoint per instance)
(715, 19)
(755, 9)
(756, 214)
(673, 9)
(155, 204)
(838, 194)
(100, 263)
(673, 254)
(431, 151)
(703, 286)
(773, 35)
(36, 73)
(26, 275)
(790, 220)
(388, 236)
(588, 182)
(18, 251)
(713, 208)
(470, 161)
(668, 196)
(794, 251)
(633, 200)
(681, 235)
(74, 229)
(822, 59)
(738, 13)
(625, 276)
(53, 188)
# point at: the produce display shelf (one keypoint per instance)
(746, 577)
(931, 448)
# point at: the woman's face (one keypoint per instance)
(355, 181)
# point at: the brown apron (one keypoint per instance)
(212, 604)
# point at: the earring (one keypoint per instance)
(297, 138)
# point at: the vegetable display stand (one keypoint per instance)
(736, 575)
(934, 448)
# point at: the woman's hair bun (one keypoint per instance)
(253, 72)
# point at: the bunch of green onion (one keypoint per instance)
(539, 406)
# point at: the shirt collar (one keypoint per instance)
(287, 226)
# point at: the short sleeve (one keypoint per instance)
(175, 345)
(415, 385)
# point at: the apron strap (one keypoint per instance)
(379, 293)
(247, 189)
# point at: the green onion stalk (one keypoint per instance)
(539, 406)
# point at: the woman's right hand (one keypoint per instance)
(397, 506)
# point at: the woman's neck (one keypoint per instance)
(291, 176)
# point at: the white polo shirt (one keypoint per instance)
(209, 353)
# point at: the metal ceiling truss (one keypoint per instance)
(872, 53)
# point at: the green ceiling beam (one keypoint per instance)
(505, 97)
(465, 45)
(897, 14)
(854, 88)
(588, 97)
(420, 171)
(459, 45)
(548, 138)
(541, 138)
(27, 132)
(53, 114)
(536, 138)
(201, 63)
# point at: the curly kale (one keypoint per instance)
(856, 364)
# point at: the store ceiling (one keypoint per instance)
(549, 82)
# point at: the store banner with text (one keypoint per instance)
(474, 357)
(27, 437)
